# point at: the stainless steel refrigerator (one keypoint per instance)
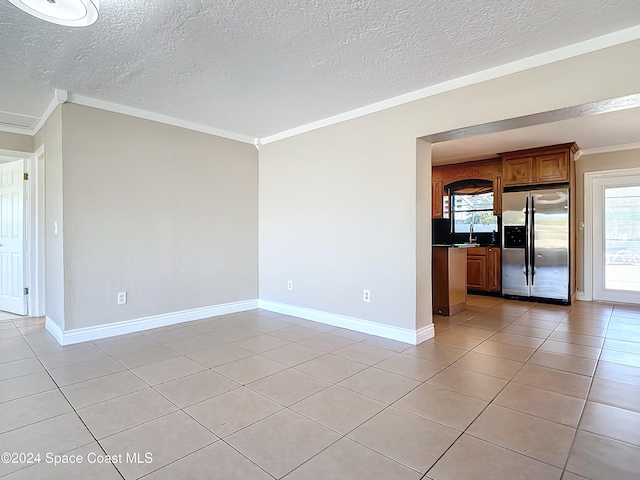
(535, 244)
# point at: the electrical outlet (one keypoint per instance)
(290, 285)
(122, 298)
(366, 296)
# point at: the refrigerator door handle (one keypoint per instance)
(526, 240)
(532, 250)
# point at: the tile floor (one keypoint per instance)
(506, 390)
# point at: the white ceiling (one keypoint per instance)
(259, 67)
(591, 132)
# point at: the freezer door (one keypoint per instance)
(515, 225)
(550, 244)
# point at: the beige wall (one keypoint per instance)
(338, 205)
(166, 214)
(16, 142)
(596, 163)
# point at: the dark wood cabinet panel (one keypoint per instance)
(476, 272)
(497, 194)
(517, 171)
(494, 269)
(553, 168)
(437, 192)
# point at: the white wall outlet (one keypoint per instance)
(290, 285)
(122, 298)
(366, 296)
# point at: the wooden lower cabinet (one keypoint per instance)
(448, 280)
(484, 269)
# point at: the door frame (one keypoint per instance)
(590, 222)
(34, 219)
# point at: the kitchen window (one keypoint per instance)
(468, 209)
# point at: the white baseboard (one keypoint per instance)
(405, 335)
(86, 334)
(582, 296)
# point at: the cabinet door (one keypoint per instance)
(552, 168)
(494, 269)
(476, 272)
(497, 194)
(517, 171)
(437, 191)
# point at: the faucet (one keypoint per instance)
(471, 237)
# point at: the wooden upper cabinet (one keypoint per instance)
(517, 171)
(552, 164)
(552, 168)
(437, 192)
(497, 193)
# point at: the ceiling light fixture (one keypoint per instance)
(70, 13)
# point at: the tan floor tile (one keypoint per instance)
(172, 334)
(264, 325)
(217, 461)
(32, 409)
(535, 437)
(339, 409)
(347, 459)
(25, 385)
(229, 412)
(295, 333)
(463, 330)
(572, 476)
(118, 345)
(55, 435)
(234, 334)
(367, 354)
(261, 343)
(80, 372)
(410, 366)
(541, 403)
(519, 340)
(326, 342)
(578, 339)
(194, 344)
(600, 458)
(293, 354)
(623, 358)
(18, 368)
(612, 422)
(472, 458)
(113, 416)
(443, 406)
(282, 442)
(434, 352)
(570, 349)
(566, 363)
(145, 356)
(616, 394)
(406, 438)
(536, 323)
(12, 349)
(489, 365)
(214, 357)
(331, 368)
(622, 346)
(489, 322)
(554, 380)
(166, 438)
(250, 369)
(469, 383)
(43, 343)
(289, 386)
(528, 331)
(167, 370)
(196, 388)
(64, 471)
(103, 388)
(350, 334)
(383, 386)
(387, 344)
(452, 338)
(582, 329)
(618, 372)
(505, 350)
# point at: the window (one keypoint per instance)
(473, 209)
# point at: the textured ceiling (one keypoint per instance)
(259, 67)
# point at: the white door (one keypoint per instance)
(12, 297)
(616, 238)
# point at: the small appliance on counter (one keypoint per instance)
(441, 231)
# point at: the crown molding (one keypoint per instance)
(156, 117)
(607, 149)
(541, 59)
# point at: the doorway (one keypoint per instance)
(615, 235)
